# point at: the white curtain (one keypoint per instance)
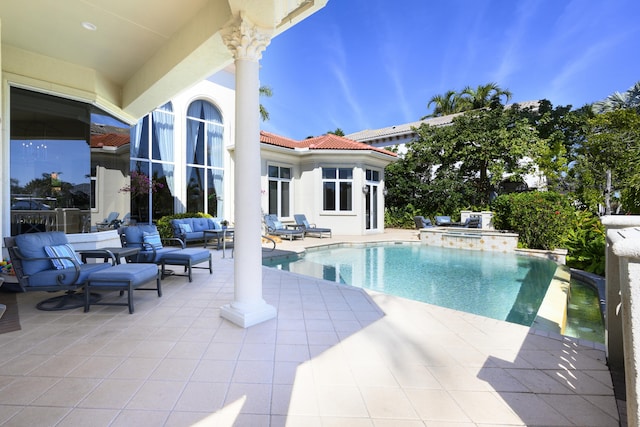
(134, 137)
(204, 121)
(163, 131)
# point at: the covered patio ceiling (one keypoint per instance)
(126, 56)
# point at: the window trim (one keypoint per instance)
(338, 181)
(279, 180)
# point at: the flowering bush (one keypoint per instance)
(140, 185)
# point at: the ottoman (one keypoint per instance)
(121, 277)
(187, 258)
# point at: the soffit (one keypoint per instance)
(143, 52)
(128, 32)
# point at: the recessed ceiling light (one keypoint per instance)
(89, 26)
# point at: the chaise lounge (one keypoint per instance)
(422, 222)
(307, 228)
(276, 228)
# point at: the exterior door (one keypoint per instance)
(371, 206)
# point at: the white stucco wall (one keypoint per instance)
(307, 186)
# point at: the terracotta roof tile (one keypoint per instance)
(109, 140)
(324, 142)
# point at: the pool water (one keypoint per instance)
(501, 286)
(584, 315)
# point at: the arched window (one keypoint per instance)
(152, 183)
(205, 169)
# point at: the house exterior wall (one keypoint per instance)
(307, 197)
(306, 166)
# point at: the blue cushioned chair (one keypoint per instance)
(152, 250)
(276, 228)
(307, 228)
(46, 262)
(422, 222)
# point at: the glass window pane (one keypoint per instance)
(212, 195)
(345, 196)
(273, 197)
(162, 136)
(161, 194)
(329, 196)
(285, 173)
(285, 199)
(195, 189)
(346, 173)
(329, 173)
(273, 171)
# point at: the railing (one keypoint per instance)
(68, 220)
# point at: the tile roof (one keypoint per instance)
(108, 136)
(324, 142)
(109, 140)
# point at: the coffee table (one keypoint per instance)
(118, 252)
(219, 234)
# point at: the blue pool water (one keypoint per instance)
(501, 286)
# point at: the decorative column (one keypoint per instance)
(247, 42)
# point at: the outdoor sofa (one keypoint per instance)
(192, 229)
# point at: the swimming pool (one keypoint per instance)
(501, 286)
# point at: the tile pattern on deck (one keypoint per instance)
(335, 356)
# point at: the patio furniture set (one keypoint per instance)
(473, 221)
(46, 262)
(300, 229)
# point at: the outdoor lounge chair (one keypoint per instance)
(276, 228)
(473, 222)
(442, 220)
(110, 222)
(422, 222)
(301, 221)
(152, 250)
(46, 262)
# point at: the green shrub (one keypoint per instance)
(541, 219)
(400, 217)
(164, 224)
(586, 243)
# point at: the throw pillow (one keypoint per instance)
(62, 251)
(152, 239)
(186, 228)
(278, 225)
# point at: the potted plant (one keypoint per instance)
(224, 223)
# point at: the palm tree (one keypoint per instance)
(482, 96)
(444, 104)
(617, 101)
(265, 91)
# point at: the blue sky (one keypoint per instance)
(367, 64)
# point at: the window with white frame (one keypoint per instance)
(279, 190)
(152, 184)
(205, 165)
(337, 189)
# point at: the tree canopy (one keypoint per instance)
(449, 167)
(452, 102)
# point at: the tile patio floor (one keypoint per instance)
(335, 356)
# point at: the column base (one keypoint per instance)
(249, 315)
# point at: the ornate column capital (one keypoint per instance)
(244, 39)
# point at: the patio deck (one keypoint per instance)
(334, 356)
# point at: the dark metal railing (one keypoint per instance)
(68, 220)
